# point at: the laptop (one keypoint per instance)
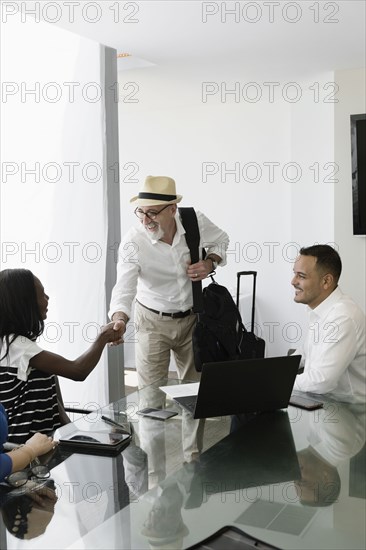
(243, 386)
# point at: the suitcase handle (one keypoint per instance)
(239, 274)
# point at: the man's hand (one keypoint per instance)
(119, 322)
(200, 270)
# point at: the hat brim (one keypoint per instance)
(152, 202)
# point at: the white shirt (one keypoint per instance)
(334, 351)
(21, 351)
(155, 272)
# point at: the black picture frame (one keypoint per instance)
(358, 148)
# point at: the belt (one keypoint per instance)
(176, 315)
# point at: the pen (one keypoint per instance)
(113, 423)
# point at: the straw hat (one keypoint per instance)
(157, 190)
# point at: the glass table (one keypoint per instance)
(290, 479)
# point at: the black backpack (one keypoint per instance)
(219, 333)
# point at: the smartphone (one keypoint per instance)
(158, 414)
(305, 403)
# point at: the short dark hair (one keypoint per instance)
(327, 258)
(19, 312)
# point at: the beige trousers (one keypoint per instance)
(157, 337)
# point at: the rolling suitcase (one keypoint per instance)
(251, 346)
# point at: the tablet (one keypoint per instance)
(107, 443)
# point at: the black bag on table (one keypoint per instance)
(219, 334)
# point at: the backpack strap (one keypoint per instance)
(190, 224)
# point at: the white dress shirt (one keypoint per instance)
(155, 272)
(334, 351)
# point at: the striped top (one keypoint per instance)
(28, 394)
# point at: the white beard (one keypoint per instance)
(155, 235)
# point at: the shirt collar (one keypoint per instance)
(326, 305)
(180, 229)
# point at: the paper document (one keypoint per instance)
(181, 390)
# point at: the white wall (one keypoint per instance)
(170, 130)
(53, 220)
(352, 248)
(312, 148)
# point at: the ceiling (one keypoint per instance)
(287, 38)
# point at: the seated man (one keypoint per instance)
(333, 354)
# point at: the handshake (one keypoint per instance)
(113, 332)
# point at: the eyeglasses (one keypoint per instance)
(35, 471)
(151, 214)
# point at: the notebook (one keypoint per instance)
(243, 386)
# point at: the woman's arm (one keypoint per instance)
(37, 445)
(81, 367)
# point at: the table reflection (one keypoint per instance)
(335, 434)
(164, 527)
(260, 453)
(281, 477)
(152, 433)
(27, 516)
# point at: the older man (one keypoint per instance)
(334, 349)
(154, 266)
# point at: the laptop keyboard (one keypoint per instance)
(188, 402)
